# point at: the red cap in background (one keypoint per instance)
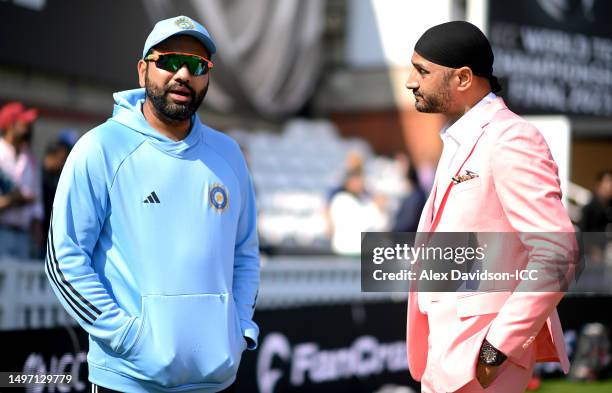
(15, 111)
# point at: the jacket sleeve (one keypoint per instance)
(79, 211)
(527, 184)
(246, 263)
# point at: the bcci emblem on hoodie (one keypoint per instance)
(218, 197)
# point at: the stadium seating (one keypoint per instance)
(294, 172)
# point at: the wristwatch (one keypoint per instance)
(490, 355)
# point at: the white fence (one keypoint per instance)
(26, 299)
(28, 302)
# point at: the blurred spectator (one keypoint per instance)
(20, 208)
(68, 137)
(597, 217)
(351, 212)
(37, 244)
(426, 173)
(592, 353)
(56, 154)
(597, 214)
(353, 162)
(411, 206)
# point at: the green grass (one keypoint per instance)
(575, 387)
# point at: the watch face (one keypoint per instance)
(490, 356)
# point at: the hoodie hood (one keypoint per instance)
(128, 112)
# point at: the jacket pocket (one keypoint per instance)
(467, 185)
(481, 303)
(185, 339)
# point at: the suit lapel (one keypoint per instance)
(461, 156)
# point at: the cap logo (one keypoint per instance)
(184, 23)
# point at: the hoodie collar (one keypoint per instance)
(128, 111)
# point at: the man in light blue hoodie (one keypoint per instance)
(153, 246)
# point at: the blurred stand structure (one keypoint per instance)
(294, 173)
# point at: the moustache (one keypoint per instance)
(192, 93)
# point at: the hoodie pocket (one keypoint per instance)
(186, 339)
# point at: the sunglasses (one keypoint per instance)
(174, 61)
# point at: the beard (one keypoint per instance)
(166, 107)
(438, 102)
(434, 103)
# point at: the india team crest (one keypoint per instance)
(184, 23)
(218, 197)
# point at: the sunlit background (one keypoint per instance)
(313, 91)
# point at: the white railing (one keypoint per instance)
(28, 302)
(26, 299)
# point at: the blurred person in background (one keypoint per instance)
(38, 234)
(597, 214)
(496, 174)
(56, 153)
(353, 162)
(153, 244)
(352, 211)
(21, 210)
(597, 217)
(411, 205)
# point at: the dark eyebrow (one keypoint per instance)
(419, 66)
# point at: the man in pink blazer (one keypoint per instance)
(496, 174)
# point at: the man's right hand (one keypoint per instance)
(486, 374)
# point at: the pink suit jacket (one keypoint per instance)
(517, 191)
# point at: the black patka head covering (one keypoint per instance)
(458, 44)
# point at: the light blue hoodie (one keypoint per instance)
(153, 250)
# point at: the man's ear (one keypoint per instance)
(142, 71)
(465, 77)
